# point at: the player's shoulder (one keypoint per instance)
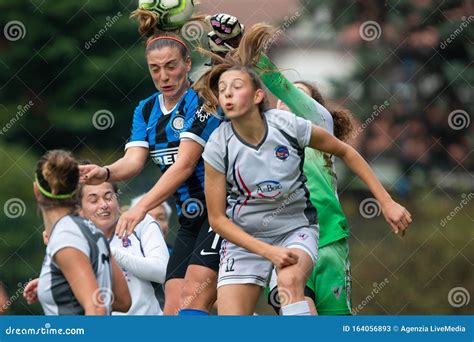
(68, 223)
(150, 99)
(280, 119)
(223, 133)
(144, 224)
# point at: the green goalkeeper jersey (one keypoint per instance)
(321, 184)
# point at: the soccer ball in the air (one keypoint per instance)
(172, 14)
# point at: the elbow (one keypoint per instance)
(159, 272)
(215, 221)
(122, 303)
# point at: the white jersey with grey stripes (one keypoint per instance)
(54, 291)
(266, 188)
(143, 257)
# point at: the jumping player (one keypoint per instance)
(268, 218)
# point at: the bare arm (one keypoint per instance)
(127, 167)
(396, 215)
(77, 269)
(122, 300)
(189, 154)
(215, 188)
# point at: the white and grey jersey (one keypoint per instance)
(142, 256)
(266, 188)
(54, 292)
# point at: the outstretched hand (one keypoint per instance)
(92, 174)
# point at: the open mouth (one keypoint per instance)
(103, 214)
(167, 88)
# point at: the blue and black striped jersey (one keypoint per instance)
(160, 131)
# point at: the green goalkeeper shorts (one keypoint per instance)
(330, 282)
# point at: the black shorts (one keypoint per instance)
(195, 244)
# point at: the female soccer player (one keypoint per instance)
(173, 128)
(258, 158)
(78, 276)
(143, 256)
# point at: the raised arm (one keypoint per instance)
(189, 154)
(397, 216)
(127, 167)
(299, 103)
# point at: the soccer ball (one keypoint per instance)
(172, 14)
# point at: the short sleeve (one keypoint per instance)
(303, 131)
(214, 153)
(67, 234)
(139, 134)
(202, 126)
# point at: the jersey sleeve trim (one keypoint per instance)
(144, 144)
(192, 136)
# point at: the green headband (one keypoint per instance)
(51, 195)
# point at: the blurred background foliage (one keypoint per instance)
(68, 78)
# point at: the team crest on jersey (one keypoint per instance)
(282, 152)
(178, 122)
(126, 242)
(269, 189)
(337, 292)
(303, 236)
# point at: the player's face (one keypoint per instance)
(283, 106)
(169, 71)
(237, 94)
(99, 204)
(159, 214)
